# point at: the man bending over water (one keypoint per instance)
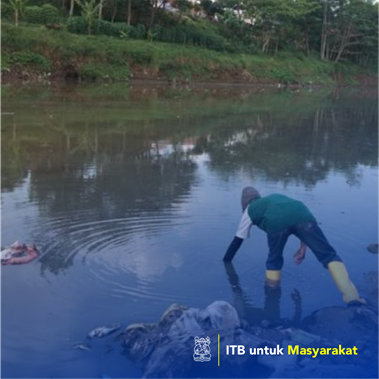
(280, 216)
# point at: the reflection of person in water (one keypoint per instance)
(280, 216)
(271, 309)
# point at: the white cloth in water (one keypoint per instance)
(172, 358)
(6, 254)
(219, 315)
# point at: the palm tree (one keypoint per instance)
(89, 10)
(18, 7)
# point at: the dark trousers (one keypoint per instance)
(309, 233)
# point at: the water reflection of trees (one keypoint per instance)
(284, 136)
(88, 172)
(110, 187)
(151, 179)
(295, 149)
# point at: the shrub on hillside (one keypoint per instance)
(103, 71)
(33, 15)
(76, 25)
(141, 55)
(137, 31)
(30, 59)
(106, 28)
(5, 63)
(9, 34)
(44, 15)
(50, 14)
(6, 12)
(113, 29)
(187, 35)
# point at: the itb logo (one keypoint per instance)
(202, 350)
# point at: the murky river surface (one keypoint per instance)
(132, 196)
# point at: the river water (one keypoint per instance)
(132, 196)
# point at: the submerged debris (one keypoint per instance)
(104, 330)
(82, 346)
(168, 348)
(370, 286)
(343, 324)
(18, 253)
(373, 248)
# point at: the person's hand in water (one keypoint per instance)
(299, 256)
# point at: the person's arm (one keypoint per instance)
(232, 249)
(300, 254)
(242, 233)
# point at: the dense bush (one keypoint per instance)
(141, 55)
(8, 34)
(6, 11)
(76, 25)
(33, 15)
(107, 28)
(188, 35)
(138, 31)
(45, 15)
(182, 33)
(50, 14)
(5, 63)
(29, 59)
(104, 71)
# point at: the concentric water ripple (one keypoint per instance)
(128, 255)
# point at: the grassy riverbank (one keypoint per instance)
(35, 52)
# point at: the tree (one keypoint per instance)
(369, 46)
(281, 20)
(129, 17)
(155, 4)
(324, 30)
(350, 29)
(89, 10)
(18, 7)
(72, 5)
(114, 11)
(211, 8)
(183, 5)
(101, 5)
